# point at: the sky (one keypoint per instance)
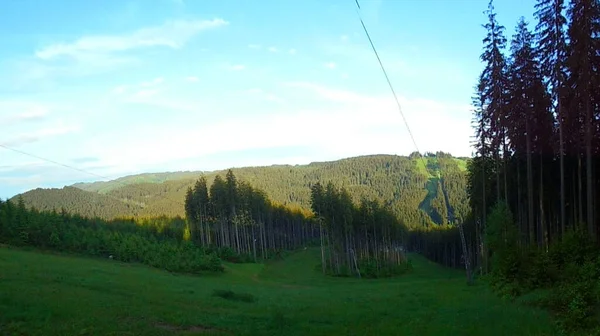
(118, 87)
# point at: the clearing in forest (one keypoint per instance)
(47, 294)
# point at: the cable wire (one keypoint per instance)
(83, 171)
(387, 78)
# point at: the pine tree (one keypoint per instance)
(584, 80)
(201, 202)
(529, 119)
(552, 49)
(492, 87)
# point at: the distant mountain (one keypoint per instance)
(105, 187)
(422, 190)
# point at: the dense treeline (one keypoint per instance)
(235, 215)
(365, 240)
(532, 185)
(402, 183)
(157, 243)
(80, 202)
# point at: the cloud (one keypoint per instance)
(254, 90)
(344, 38)
(30, 137)
(274, 98)
(349, 124)
(273, 49)
(292, 51)
(22, 112)
(145, 93)
(172, 34)
(120, 89)
(142, 89)
(330, 65)
(154, 82)
(192, 79)
(84, 159)
(380, 113)
(268, 96)
(237, 67)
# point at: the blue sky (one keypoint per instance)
(116, 87)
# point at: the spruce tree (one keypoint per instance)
(584, 81)
(493, 86)
(552, 49)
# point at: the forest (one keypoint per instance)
(521, 215)
(422, 190)
(533, 185)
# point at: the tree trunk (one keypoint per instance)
(562, 168)
(531, 223)
(543, 227)
(588, 171)
(323, 265)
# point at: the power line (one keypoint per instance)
(387, 78)
(82, 171)
(52, 161)
(460, 226)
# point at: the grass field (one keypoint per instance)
(44, 294)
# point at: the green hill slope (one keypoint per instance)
(46, 294)
(409, 185)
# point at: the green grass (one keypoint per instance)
(422, 167)
(45, 294)
(462, 164)
(431, 187)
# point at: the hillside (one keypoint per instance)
(420, 190)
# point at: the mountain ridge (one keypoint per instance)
(408, 184)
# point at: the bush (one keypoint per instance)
(232, 296)
(569, 270)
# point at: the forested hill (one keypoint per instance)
(420, 190)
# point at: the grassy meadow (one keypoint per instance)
(50, 294)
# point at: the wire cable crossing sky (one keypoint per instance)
(134, 86)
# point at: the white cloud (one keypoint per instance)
(355, 124)
(143, 89)
(273, 49)
(172, 34)
(274, 98)
(154, 82)
(254, 90)
(39, 135)
(292, 51)
(342, 123)
(192, 79)
(237, 67)
(145, 93)
(120, 89)
(12, 112)
(344, 38)
(268, 96)
(451, 122)
(330, 65)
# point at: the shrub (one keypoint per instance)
(232, 296)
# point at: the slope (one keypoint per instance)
(78, 201)
(400, 182)
(62, 295)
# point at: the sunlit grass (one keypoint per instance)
(44, 294)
